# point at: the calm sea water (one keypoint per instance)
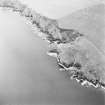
(30, 77)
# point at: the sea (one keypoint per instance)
(28, 76)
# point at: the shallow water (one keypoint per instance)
(29, 76)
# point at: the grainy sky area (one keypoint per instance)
(59, 8)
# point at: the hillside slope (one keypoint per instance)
(89, 21)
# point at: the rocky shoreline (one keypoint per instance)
(74, 53)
